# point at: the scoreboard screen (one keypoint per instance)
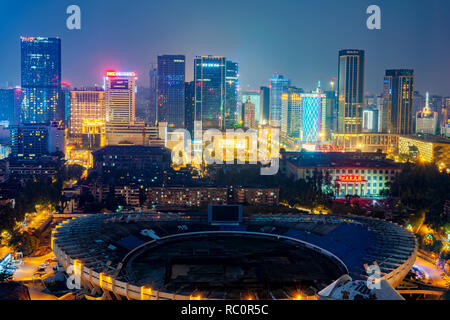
(225, 214)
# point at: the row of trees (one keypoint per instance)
(422, 189)
(44, 192)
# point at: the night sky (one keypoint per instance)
(298, 38)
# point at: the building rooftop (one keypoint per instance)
(429, 138)
(339, 160)
(130, 149)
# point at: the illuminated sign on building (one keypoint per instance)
(356, 179)
(120, 74)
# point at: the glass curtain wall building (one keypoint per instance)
(170, 84)
(40, 79)
(209, 78)
(278, 86)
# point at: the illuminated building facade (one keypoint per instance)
(346, 176)
(427, 148)
(170, 86)
(31, 141)
(93, 134)
(427, 121)
(350, 91)
(314, 114)
(86, 104)
(303, 115)
(40, 79)
(255, 97)
(137, 133)
(398, 101)
(120, 96)
(292, 113)
(231, 94)
(249, 114)
(370, 119)
(209, 78)
(278, 86)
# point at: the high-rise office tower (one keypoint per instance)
(86, 104)
(331, 111)
(314, 115)
(292, 113)
(209, 78)
(231, 92)
(265, 105)
(249, 114)
(40, 79)
(278, 86)
(170, 86)
(189, 105)
(255, 98)
(398, 101)
(350, 91)
(120, 96)
(153, 96)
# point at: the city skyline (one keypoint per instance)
(259, 56)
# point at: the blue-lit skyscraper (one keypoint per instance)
(170, 86)
(209, 78)
(232, 89)
(278, 86)
(10, 101)
(40, 79)
(314, 115)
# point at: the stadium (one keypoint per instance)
(194, 256)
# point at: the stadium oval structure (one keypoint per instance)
(183, 256)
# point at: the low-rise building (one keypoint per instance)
(345, 175)
(427, 148)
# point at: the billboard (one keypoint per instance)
(119, 84)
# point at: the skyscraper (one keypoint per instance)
(249, 114)
(350, 91)
(40, 78)
(189, 106)
(231, 94)
(278, 86)
(120, 96)
(314, 115)
(170, 86)
(209, 78)
(330, 121)
(255, 98)
(153, 96)
(398, 102)
(292, 113)
(265, 105)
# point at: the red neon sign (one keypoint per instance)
(356, 179)
(110, 73)
(329, 148)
